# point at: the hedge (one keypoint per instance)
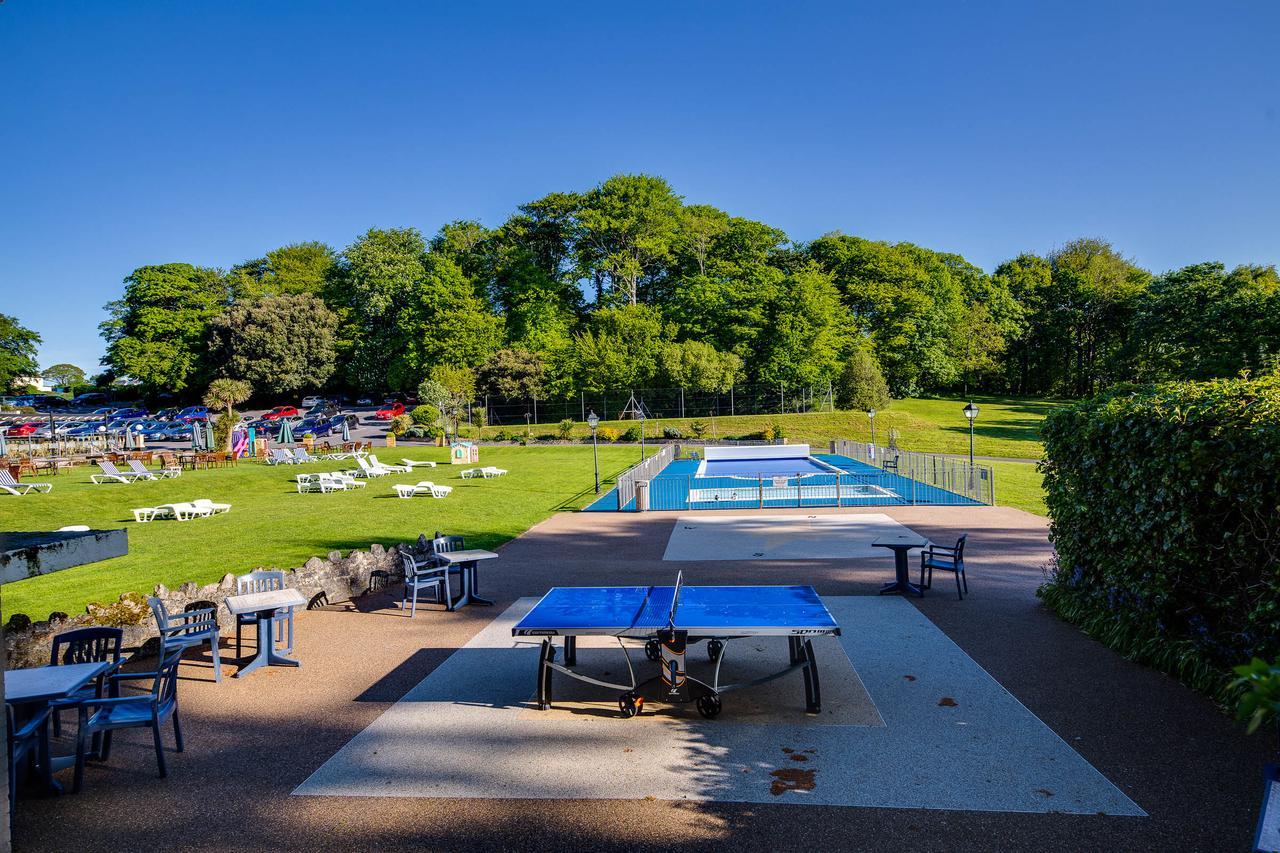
(1165, 509)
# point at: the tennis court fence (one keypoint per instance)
(974, 482)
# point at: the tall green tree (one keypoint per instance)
(626, 228)
(18, 348)
(156, 332)
(698, 366)
(300, 268)
(63, 375)
(280, 344)
(860, 385)
(808, 330)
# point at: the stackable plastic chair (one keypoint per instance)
(419, 577)
(945, 559)
(181, 631)
(264, 581)
(84, 645)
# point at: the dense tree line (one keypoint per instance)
(625, 285)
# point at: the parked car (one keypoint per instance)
(167, 414)
(159, 431)
(311, 401)
(87, 428)
(281, 412)
(133, 412)
(28, 428)
(387, 412)
(85, 401)
(364, 400)
(103, 411)
(193, 413)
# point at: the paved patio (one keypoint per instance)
(268, 756)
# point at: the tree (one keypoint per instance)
(807, 327)
(626, 228)
(698, 366)
(860, 385)
(63, 375)
(300, 268)
(18, 347)
(512, 373)
(226, 394)
(279, 344)
(156, 333)
(460, 383)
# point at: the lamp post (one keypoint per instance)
(640, 417)
(871, 413)
(593, 421)
(528, 435)
(971, 412)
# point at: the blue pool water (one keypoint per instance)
(763, 467)
(823, 480)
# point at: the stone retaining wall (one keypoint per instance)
(330, 580)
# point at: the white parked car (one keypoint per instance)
(311, 402)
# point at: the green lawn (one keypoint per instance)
(1005, 426)
(270, 524)
(1019, 484)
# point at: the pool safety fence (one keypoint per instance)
(646, 470)
(974, 482)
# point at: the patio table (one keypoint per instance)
(265, 606)
(38, 686)
(901, 546)
(466, 562)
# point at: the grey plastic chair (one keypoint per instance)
(945, 559)
(84, 645)
(419, 577)
(130, 712)
(28, 741)
(183, 630)
(264, 581)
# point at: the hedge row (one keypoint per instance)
(1165, 508)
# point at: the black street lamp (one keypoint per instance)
(641, 419)
(593, 421)
(971, 412)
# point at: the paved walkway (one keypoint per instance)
(252, 743)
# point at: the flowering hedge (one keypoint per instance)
(1165, 508)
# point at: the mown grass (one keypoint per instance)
(1005, 426)
(270, 524)
(1020, 485)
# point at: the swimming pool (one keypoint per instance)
(758, 467)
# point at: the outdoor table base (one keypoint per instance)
(469, 583)
(901, 553)
(267, 654)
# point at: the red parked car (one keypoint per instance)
(24, 429)
(386, 413)
(281, 412)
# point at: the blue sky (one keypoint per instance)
(147, 132)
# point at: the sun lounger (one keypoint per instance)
(423, 488)
(471, 473)
(418, 463)
(301, 456)
(368, 469)
(491, 471)
(10, 486)
(315, 483)
(344, 480)
(136, 467)
(183, 511)
(214, 508)
(397, 469)
(280, 456)
(112, 474)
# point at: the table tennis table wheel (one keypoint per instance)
(652, 649)
(709, 705)
(714, 649)
(630, 704)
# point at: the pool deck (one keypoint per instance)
(252, 743)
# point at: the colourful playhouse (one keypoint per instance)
(464, 453)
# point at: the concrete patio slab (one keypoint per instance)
(952, 737)
(712, 536)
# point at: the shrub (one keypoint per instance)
(632, 434)
(767, 433)
(779, 431)
(609, 434)
(546, 436)
(671, 432)
(565, 428)
(1163, 517)
(399, 424)
(698, 428)
(861, 385)
(425, 414)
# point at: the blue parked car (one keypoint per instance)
(132, 413)
(194, 413)
(91, 428)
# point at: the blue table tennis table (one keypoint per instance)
(668, 619)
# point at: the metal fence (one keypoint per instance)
(646, 470)
(974, 482)
(655, 403)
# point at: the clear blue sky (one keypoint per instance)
(147, 132)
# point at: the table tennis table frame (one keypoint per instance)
(673, 684)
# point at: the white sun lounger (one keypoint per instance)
(10, 486)
(179, 511)
(423, 488)
(136, 467)
(316, 483)
(214, 508)
(491, 471)
(397, 469)
(418, 463)
(368, 469)
(112, 474)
